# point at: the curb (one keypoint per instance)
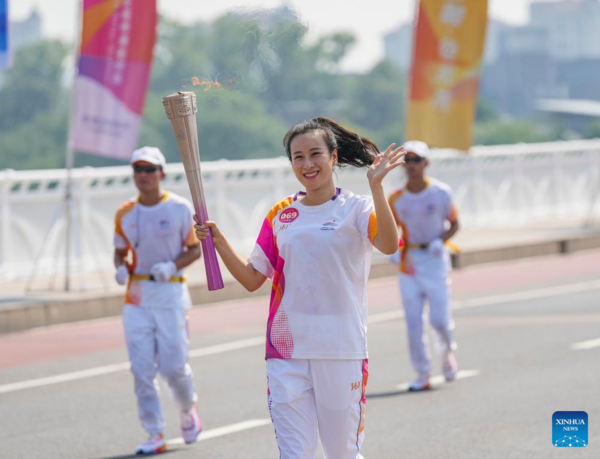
(41, 313)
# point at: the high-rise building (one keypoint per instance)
(398, 45)
(573, 27)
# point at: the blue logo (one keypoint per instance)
(570, 429)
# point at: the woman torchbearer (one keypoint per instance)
(315, 246)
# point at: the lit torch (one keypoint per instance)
(181, 111)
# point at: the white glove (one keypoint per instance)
(122, 275)
(162, 272)
(436, 247)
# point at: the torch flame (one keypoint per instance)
(209, 84)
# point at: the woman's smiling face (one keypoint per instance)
(312, 161)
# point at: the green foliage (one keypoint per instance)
(37, 144)
(179, 54)
(33, 85)
(378, 98)
(236, 127)
(592, 130)
(33, 108)
(268, 75)
(510, 131)
(231, 125)
(485, 111)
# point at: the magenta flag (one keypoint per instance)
(115, 60)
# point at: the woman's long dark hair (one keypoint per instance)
(352, 149)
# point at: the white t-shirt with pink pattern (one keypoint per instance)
(318, 258)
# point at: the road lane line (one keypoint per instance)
(585, 345)
(385, 316)
(224, 430)
(124, 366)
(65, 377)
(527, 295)
(226, 347)
(439, 379)
(259, 340)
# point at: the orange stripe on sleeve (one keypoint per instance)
(373, 231)
(124, 210)
(121, 212)
(453, 217)
(278, 207)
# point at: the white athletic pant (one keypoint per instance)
(328, 396)
(157, 341)
(431, 282)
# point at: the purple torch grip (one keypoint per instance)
(181, 109)
(211, 262)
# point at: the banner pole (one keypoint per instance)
(70, 155)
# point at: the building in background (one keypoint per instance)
(573, 27)
(398, 46)
(555, 56)
(521, 72)
(27, 31)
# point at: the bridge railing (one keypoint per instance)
(493, 187)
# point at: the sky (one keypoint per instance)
(368, 20)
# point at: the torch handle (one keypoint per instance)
(211, 262)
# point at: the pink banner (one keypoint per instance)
(115, 60)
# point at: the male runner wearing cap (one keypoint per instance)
(154, 241)
(422, 209)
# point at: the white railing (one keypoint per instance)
(493, 187)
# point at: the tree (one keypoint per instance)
(592, 130)
(485, 111)
(231, 125)
(510, 131)
(180, 54)
(34, 108)
(37, 144)
(34, 84)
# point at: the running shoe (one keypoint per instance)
(419, 384)
(156, 444)
(450, 366)
(190, 425)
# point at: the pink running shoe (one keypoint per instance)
(450, 366)
(156, 444)
(190, 425)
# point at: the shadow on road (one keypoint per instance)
(396, 393)
(137, 456)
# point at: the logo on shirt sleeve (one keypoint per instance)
(289, 215)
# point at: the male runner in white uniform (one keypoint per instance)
(154, 241)
(422, 209)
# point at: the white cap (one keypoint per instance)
(417, 147)
(151, 155)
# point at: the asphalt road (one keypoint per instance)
(66, 392)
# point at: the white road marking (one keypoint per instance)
(439, 379)
(527, 295)
(259, 340)
(585, 345)
(226, 347)
(124, 366)
(385, 316)
(65, 377)
(225, 430)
